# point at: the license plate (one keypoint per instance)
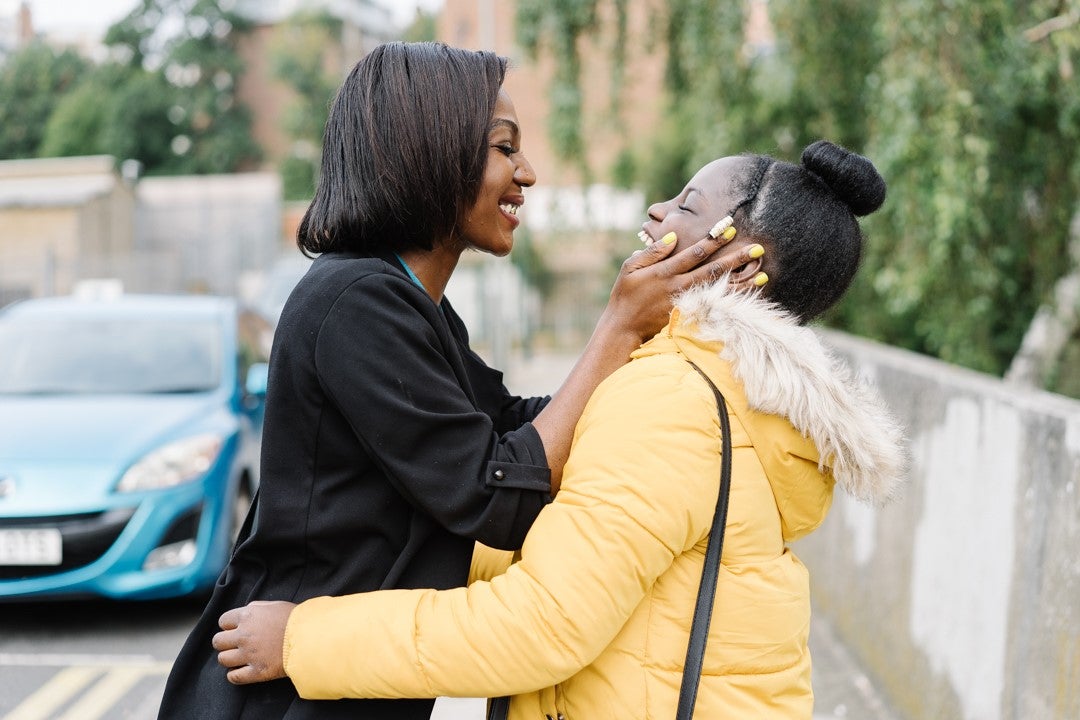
(31, 547)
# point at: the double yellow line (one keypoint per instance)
(107, 685)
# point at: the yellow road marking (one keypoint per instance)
(113, 682)
(74, 659)
(61, 687)
(104, 694)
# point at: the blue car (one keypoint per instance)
(129, 445)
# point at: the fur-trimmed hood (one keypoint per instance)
(785, 370)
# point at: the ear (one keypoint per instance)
(745, 273)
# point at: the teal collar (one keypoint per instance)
(409, 271)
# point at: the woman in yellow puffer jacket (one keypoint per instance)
(590, 620)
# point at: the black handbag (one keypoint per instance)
(498, 708)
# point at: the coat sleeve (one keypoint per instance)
(640, 488)
(488, 563)
(387, 368)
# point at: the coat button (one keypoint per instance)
(499, 475)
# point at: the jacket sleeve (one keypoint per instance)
(640, 488)
(488, 563)
(385, 360)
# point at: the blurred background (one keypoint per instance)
(171, 147)
(173, 144)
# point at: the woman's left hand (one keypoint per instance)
(251, 640)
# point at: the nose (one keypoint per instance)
(657, 211)
(524, 175)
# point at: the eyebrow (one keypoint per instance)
(503, 122)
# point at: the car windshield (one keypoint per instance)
(63, 355)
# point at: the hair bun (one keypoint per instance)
(852, 177)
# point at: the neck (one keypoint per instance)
(433, 267)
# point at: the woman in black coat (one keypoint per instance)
(389, 447)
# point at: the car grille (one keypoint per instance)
(86, 537)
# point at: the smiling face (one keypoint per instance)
(489, 224)
(711, 195)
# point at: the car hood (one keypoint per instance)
(95, 429)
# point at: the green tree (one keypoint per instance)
(189, 46)
(830, 89)
(32, 82)
(555, 27)
(970, 109)
(977, 131)
(712, 84)
(298, 56)
(141, 125)
(120, 111)
(75, 125)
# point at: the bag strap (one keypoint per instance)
(499, 708)
(699, 628)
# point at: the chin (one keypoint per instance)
(494, 252)
(501, 249)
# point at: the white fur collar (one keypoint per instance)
(785, 370)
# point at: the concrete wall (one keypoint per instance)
(963, 598)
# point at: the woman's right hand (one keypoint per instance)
(641, 299)
(251, 640)
(639, 307)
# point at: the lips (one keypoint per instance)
(509, 205)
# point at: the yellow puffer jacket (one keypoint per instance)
(592, 620)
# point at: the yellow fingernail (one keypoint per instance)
(756, 251)
(669, 238)
(729, 233)
(760, 279)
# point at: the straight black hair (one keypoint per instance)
(404, 149)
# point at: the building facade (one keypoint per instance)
(62, 220)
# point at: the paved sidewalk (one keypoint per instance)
(842, 689)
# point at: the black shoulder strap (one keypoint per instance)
(699, 628)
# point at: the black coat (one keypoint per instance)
(388, 448)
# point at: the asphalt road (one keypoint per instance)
(88, 660)
(94, 660)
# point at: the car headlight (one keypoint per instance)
(173, 464)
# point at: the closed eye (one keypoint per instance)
(685, 209)
(506, 150)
